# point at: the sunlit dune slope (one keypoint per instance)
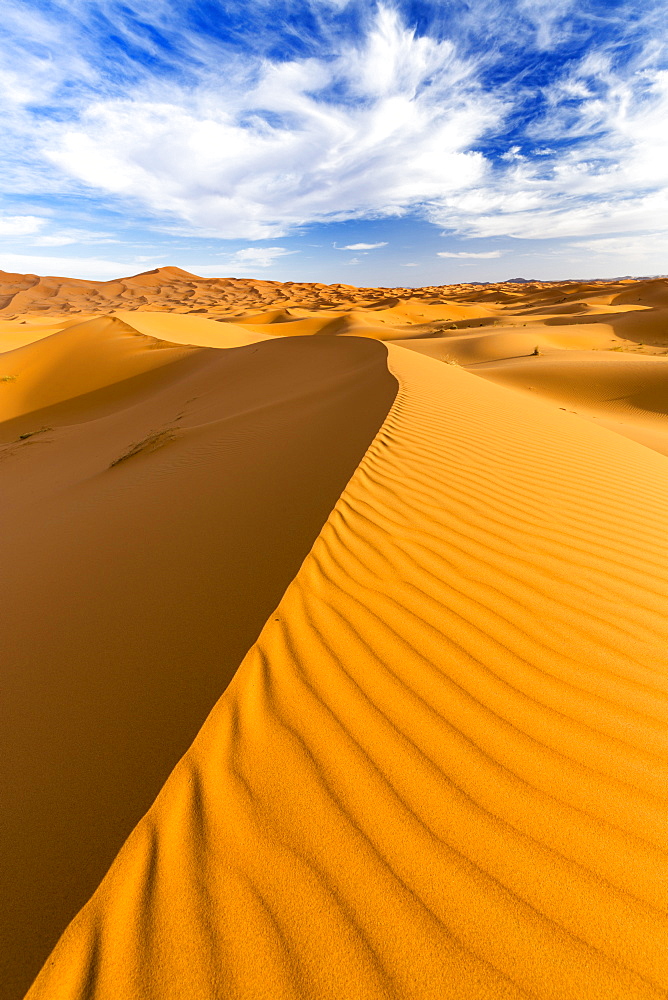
(626, 305)
(15, 334)
(199, 331)
(152, 519)
(76, 361)
(169, 289)
(442, 770)
(627, 394)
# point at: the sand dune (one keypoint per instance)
(430, 632)
(150, 529)
(446, 751)
(627, 394)
(78, 360)
(199, 331)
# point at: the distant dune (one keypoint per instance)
(334, 628)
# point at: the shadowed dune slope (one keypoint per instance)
(441, 772)
(151, 525)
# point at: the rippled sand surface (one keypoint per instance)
(337, 627)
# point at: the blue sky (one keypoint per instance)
(394, 143)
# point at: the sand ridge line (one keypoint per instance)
(366, 756)
(508, 332)
(132, 590)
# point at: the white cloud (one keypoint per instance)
(20, 225)
(66, 237)
(548, 19)
(632, 246)
(253, 257)
(614, 179)
(470, 256)
(257, 159)
(32, 69)
(387, 123)
(62, 240)
(73, 267)
(362, 246)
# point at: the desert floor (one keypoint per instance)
(334, 630)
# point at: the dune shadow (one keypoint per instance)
(647, 326)
(131, 594)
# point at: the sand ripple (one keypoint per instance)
(441, 772)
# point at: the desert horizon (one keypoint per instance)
(335, 622)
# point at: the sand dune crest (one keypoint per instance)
(441, 770)
(152, 533)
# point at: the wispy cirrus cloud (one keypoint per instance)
(633, 247)
(20, 225)
(463, 255)
(593, 159)
(361, 246)
(373, 129)
(72, 266)
(254, 257)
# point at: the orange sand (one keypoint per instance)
(440, 770)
